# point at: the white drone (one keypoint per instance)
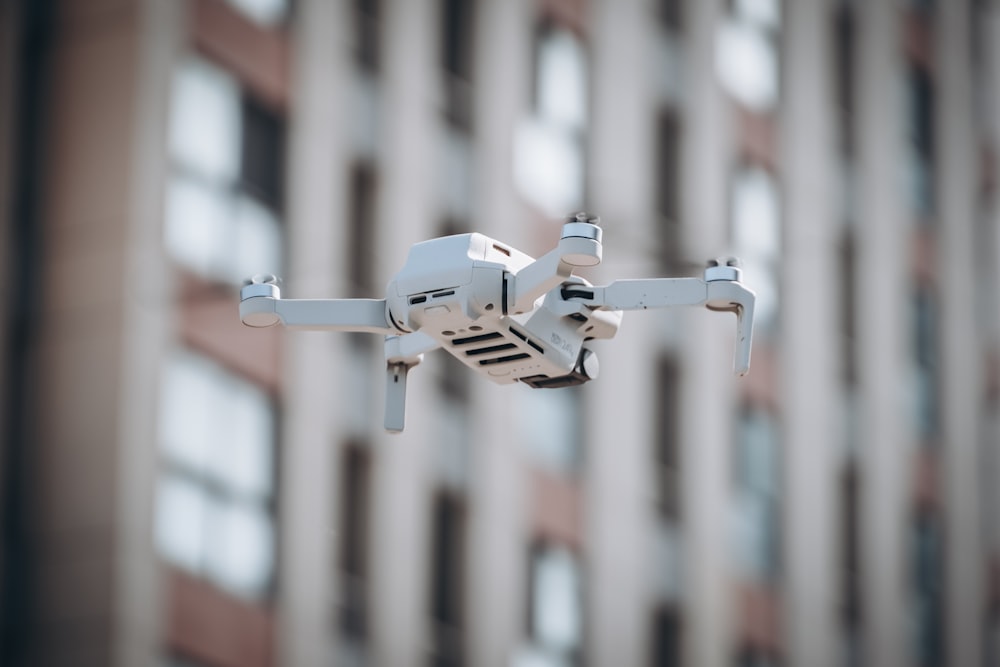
(500, 312)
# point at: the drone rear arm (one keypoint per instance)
(643, 294)
(724, 294)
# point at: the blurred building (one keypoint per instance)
(177, 490)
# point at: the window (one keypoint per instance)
(225, 187)
(215, 496)
(265, 12)
(844, 42)
(927, 572)
(925, 365)
(355, 500)
(262, 157)
(850, 564)
(456, 180)
(755, 657)
(992, 634)
(747, 59)
(756, 482)
(848, 304)
(666, 638)
(756, 238)
(549, 426)
(671, 14)
(458, 31)
(667, 189)
(361, 257)
(447, 580)
(555, 609)
(919, 168)
(367, 33)
(667, 443)
(549, 161)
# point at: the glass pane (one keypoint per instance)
(264, 12)
(562, 79)
(263, 153)
(536, 656)
(257, 241)
(548, 425)
(548, 167)
(762, 13)
(747, 64)
(180, 522)
(758, 456)
(205, 130)
(195, 225)
(756, 233)
(241, 555)
(452, 455)
(186, 411)
(242, 457)
(756, 219)
(751, 544)
(456, 175)
(556, 600)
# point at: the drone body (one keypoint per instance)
(500, 312)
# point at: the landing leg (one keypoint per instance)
(395, 396)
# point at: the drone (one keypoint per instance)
(500, 312)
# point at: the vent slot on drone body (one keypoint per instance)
(481, 338)
(490, 349)
(503, 360)
(531, 343)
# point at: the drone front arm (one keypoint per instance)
(261, 305)
(537, 279)
(579, 246)
(719, 295)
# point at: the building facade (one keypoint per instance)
(178, 490)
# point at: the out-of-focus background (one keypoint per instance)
(179, 491)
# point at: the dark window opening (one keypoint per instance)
(263, 155)
(665, 648)
(850, 554)
(361, 255)
(667, 187)
(925, 358)
(457, 37)
(848, 317)
(447, 580)
(368, 34)
(355, 482)
(844, 43)
(457, 49)
(920, 100)
(921, 110)
(671, 14)
(666, 444)
(927, 574)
